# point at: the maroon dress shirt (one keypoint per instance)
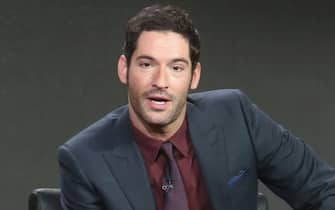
(155, 162)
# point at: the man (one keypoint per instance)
(221, 143)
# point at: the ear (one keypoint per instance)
(196, 76)
(122, 69)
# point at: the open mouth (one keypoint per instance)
(159, 100)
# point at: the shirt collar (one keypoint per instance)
(181, 140)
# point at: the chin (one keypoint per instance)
(158, 121)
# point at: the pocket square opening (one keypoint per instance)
(235, 178)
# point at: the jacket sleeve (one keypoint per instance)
(76, 191)
(288, 166)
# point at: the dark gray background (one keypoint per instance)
(58, 73)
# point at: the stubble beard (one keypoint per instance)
(149, 119)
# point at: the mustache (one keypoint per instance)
(158, 92)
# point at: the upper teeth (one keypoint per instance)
(158, 102)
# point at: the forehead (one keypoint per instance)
(162, 44)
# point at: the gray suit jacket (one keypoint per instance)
(236, 144)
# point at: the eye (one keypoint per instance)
(178, 67)
(144, 64)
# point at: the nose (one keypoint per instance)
(160, 79)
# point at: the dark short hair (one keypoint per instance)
(162, 18)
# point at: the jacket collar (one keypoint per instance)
(209, 145)
(127, 166)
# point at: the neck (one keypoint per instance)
(158, 131)
(162, 133)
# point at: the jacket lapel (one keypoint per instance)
(209, 145)
(127, 166)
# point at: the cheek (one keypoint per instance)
(183, 85)
(138, 77)
(133, 88)
(136, 86)
(134, 80)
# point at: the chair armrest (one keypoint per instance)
(45, 199)
(262, 202)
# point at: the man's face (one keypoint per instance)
(159, 76)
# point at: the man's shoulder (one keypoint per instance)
(219, 96)
(219, 104)
(100, 130)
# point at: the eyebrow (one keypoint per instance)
(173, 60)
(145, 57)
(180, 60)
